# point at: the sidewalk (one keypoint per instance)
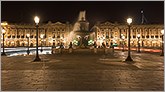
(83, 71)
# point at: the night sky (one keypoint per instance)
(113, 11)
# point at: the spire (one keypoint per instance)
(82, 16)
(143, 19)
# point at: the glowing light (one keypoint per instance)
(123, 37)
(4, 23)
(28, 35)
(162, 31)
(90, 42)
(61, 38)
(36, 19)
(78, 36)
(129, 21)
(3, 31)
(12, 42)
(101, 41)
(50, 41)
(42, 35)
(138, 35)
(64, 41)
(75, 42)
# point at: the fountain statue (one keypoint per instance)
(81, 34)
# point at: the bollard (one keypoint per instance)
(70, 50)
(113, 49)
(60, 50)
(106, 51)
(95, 50)
(52, 51)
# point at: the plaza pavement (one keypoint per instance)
(83, 71)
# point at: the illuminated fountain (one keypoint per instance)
(81, 36)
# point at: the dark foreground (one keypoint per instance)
(83, 71)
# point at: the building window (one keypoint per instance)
(107, 35)
(111, 35)
(54, 36)
(147, 36)
(147, 32)
(9, 36)
(142, 32)
(156, 36)
(31, 36)
(22, 36)
(63, 35)
(156, 32)
(151, 32)
(18, 36)
(58, 36)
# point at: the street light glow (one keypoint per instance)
(138, 35)
(162, 31)
(129, 21)
(28, 35)
(4, 24)
(36, 19)
(42, 35)
(3, 31)
(123, 37)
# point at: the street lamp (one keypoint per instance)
(28, 51)
(138, 36)
(162, 54)
(3, 32)
(129, 21)
(42, 36)
(123, 37)
(36, 19)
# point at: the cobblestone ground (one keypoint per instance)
(83, 71)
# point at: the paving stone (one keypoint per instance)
(83, 72)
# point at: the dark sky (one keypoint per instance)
(24, 11)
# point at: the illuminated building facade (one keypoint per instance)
(107, 32)
(54, 33)
(150, 34)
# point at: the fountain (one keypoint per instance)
(81, 35)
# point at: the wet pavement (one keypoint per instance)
(83, 71)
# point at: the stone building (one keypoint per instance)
(107, 32)
(54, 33)
(150, 34)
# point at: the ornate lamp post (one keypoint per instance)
(28, 51)
(3, 32)
(123, 37)
(42, 36)
(36, 19)
(162, 54)
(121, 40)
(138, 36)
(129, 21)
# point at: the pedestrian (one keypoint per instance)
(103, 45)
(70, 47)
(95, 45)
